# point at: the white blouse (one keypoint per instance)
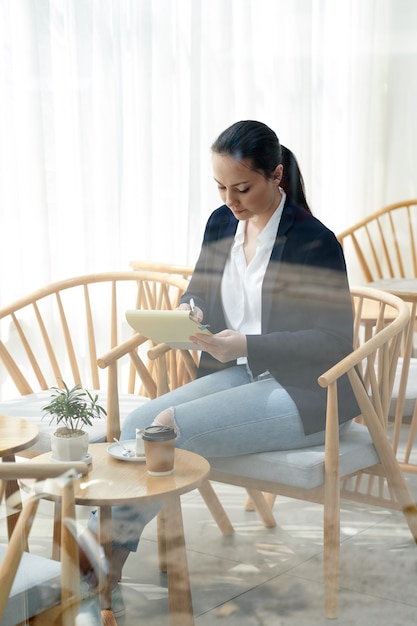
(241, 287)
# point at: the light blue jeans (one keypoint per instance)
(227, 413)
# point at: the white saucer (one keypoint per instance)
(117, 451)
(87, 459)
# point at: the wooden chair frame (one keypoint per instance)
(373, 361)
(383, 244)
(66, 613)
(166, 268)
(57, 332)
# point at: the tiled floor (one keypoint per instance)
(273, 577)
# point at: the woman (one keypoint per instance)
(271, 283)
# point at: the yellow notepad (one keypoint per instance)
(171, 327)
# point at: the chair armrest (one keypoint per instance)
(158, 350)
(10, 471)
(121, 350)
(160, 353)
(129, 347)
(110, 360)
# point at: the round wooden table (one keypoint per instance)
(113, 482)
(16, 434)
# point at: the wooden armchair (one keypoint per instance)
(362, 465)
(57, 333)
(383, 247)
(383, 244)
(34, 589)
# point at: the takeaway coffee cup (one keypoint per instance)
(159, 444)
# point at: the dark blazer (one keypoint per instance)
(306, 308)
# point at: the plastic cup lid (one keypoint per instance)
(158, 433)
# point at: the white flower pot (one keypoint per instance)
(69, 446)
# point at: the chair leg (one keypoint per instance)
(331, 512)
(269, 497)
(56, 543)
(331, 555)
(403, 495)
(262, 507)
(216, 509)
(249, 504)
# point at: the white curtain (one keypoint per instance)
(108, 109)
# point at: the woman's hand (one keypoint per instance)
(224, 346)
(197, 312)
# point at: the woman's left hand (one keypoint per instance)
(224, 346)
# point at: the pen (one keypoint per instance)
(201, 327)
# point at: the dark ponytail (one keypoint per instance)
(292, 180)
(259, 145)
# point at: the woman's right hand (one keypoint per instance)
(197, 312)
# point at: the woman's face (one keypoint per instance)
(246, 192)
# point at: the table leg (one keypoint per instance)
(162, 548)
(179, 593)
(12, 494)
(104, 538)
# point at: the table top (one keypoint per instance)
(16, 434)
(405, 288)
(113, 481)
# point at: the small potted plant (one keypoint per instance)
(71, 410)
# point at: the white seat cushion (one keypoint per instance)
(302, 467)
(30, 407)
(35, 588)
